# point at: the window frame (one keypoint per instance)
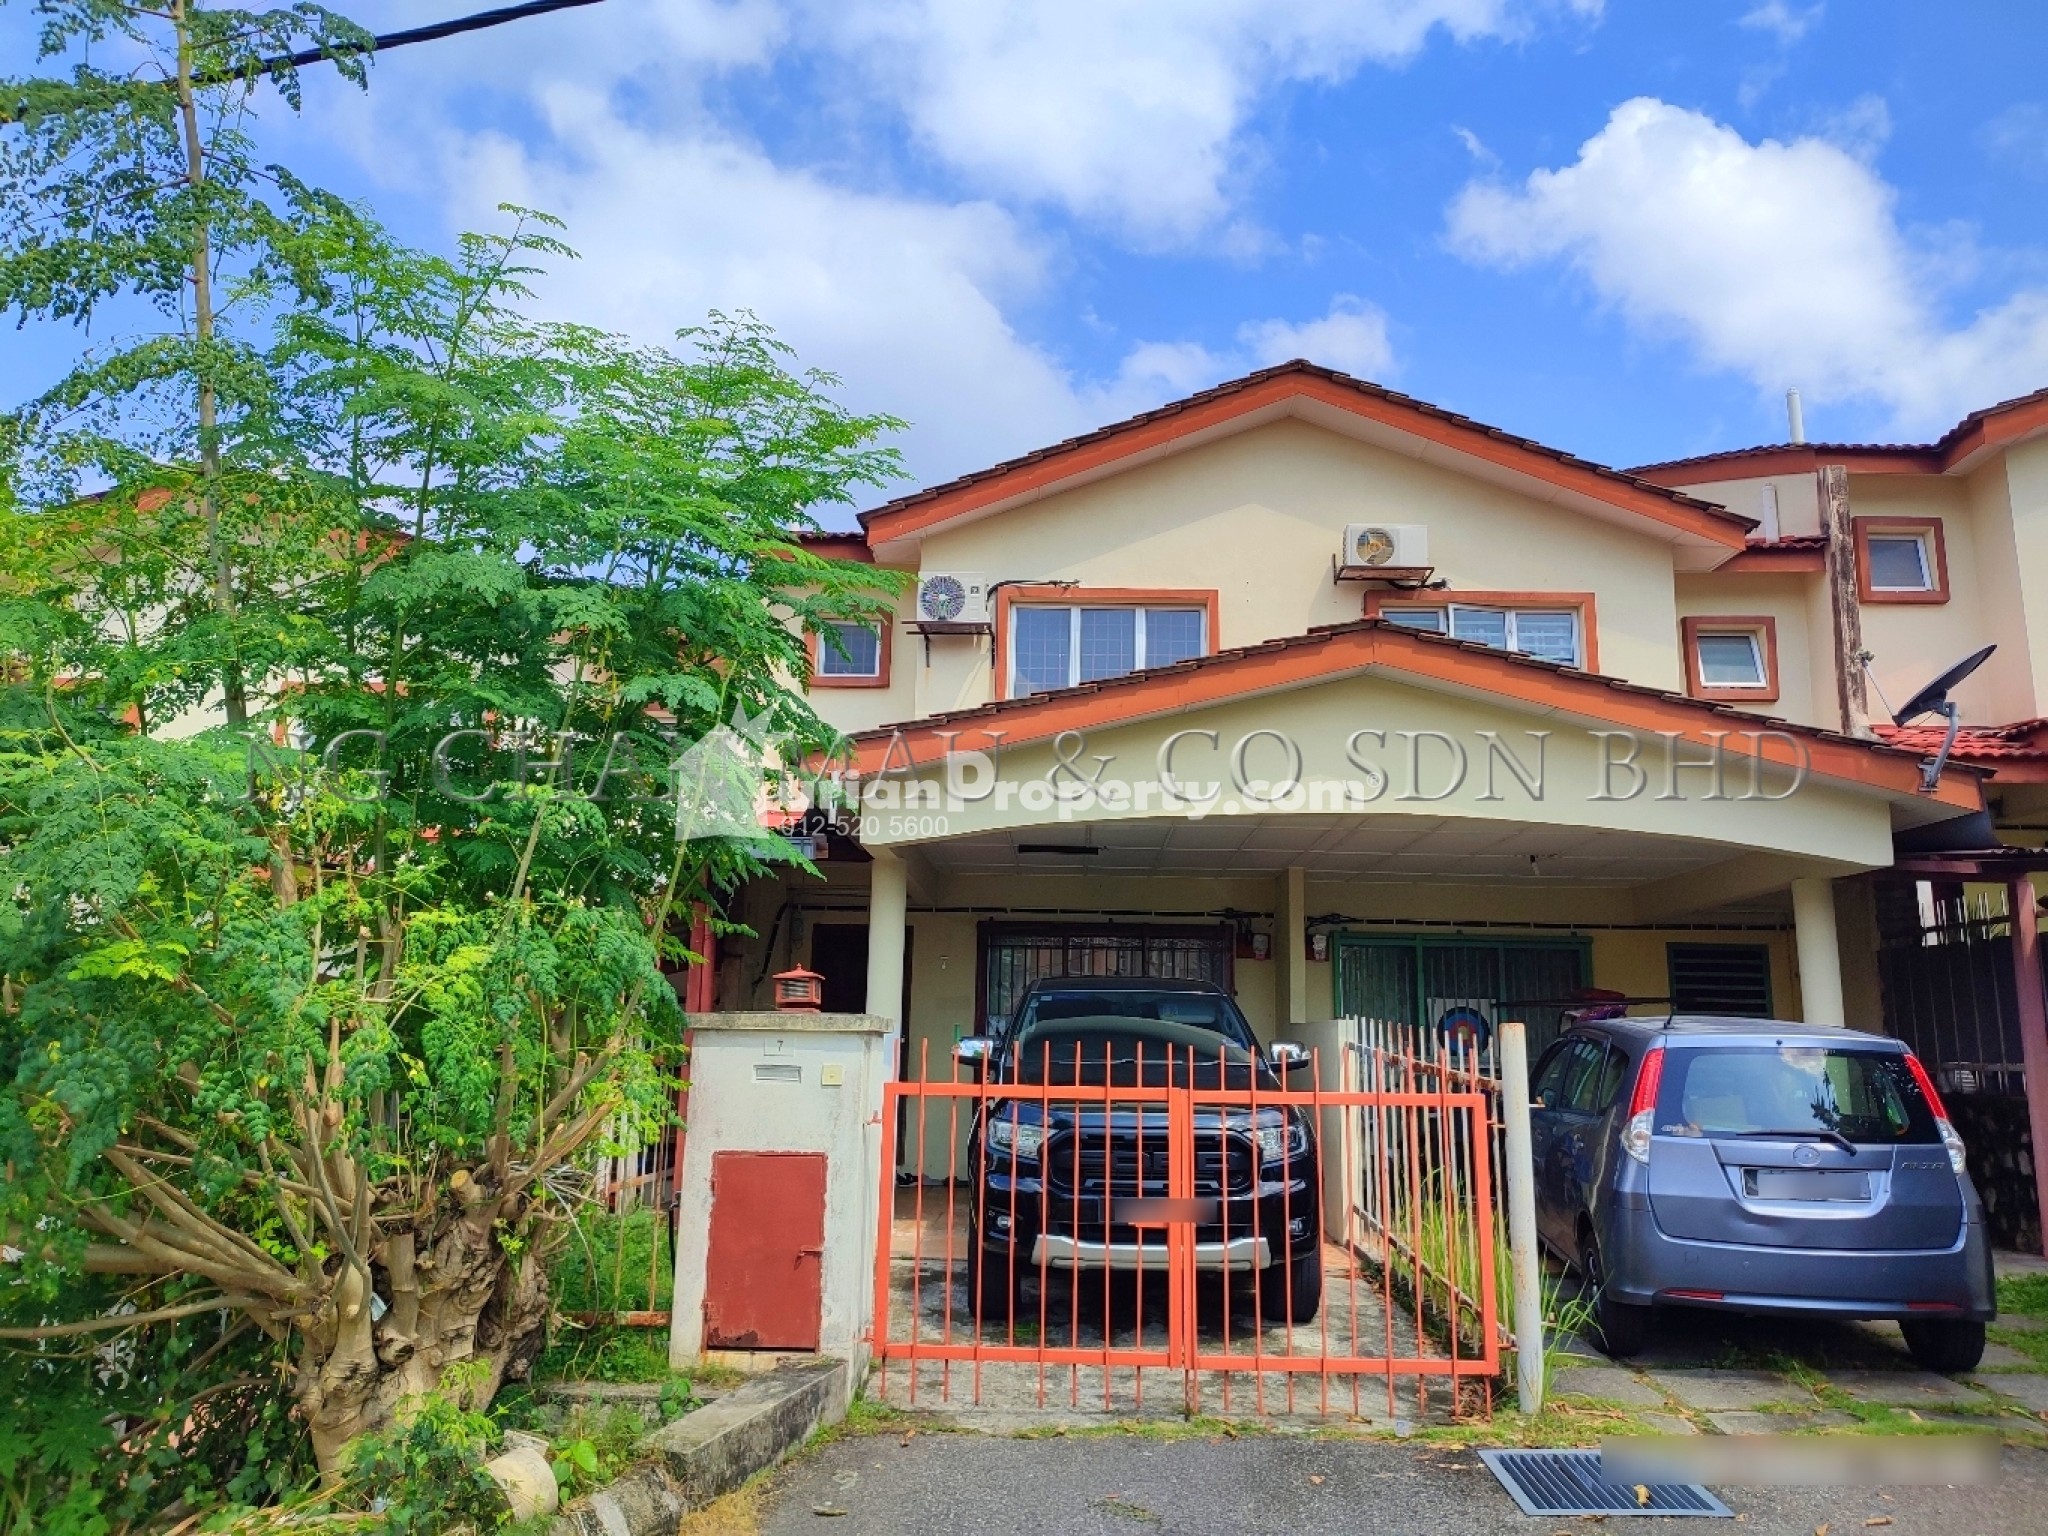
(1762, 627)
(1009, 598)
(814, 645)
(1579, 604)
(1928, 530)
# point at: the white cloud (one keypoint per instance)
(909, 295)
(903, 297)
(1862, 128)
(1475, 147)
(1782, 261)
(1351, 338)
(1782, 21)
(2018, 137)
(1131, 112)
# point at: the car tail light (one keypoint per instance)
(1642, 1107)
(1949, 1138)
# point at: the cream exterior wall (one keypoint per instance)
(1259, 517)
(1842, 829)
(1995, 532)
(1786, 598)
(1912, 642)
(2026, 472)
(2013, 676)
(853, 710)
(1798, 499)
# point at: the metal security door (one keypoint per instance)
(764, 1262)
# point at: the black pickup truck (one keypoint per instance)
(1059, 1183)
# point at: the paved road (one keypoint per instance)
(976, 1485)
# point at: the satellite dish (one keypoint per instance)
(1934, 700)
(1929, 700)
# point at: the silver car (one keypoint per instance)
(1753, 1165)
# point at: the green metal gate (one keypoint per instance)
(1414, 979)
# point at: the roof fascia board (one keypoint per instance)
(1283, 392)
(1425, 661)
(1960, 449)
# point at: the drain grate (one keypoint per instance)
(1569, 1483)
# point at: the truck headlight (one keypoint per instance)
(1019, 1137)
(1284, 1141)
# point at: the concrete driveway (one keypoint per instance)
(1126, 1485)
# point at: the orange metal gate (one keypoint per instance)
(1071, 1232)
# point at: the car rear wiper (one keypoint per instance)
(1808, 1134)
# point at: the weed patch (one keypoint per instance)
(2024, 1294)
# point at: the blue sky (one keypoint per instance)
(1623, 228)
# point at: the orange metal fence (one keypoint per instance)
(1420, 1217)
(1096, 1218)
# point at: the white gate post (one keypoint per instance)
(1521, 1182)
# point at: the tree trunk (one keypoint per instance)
(474, 1304)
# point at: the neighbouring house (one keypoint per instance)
(1359, 706)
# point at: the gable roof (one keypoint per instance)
(1306, 389)
(1960, 449)
(1369, 645)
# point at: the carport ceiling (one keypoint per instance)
(1421, 849)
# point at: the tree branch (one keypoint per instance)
(125, 1320)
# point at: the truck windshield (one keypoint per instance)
(1199, 1010)
(1797, 1091)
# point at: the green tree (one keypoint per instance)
(341, 906)
(132, 196)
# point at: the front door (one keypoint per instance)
(839, 953)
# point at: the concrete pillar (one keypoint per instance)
(2026, 961)
(1820, 953)
(1291, 949)
(888, 916)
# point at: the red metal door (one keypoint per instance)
(762, 1273)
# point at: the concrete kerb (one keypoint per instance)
(710, 1452)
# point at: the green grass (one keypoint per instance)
(2024, 1294)
(604, 1354)
(865, 1416)
(2031, 1342)
(615, 1262)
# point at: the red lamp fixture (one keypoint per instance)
(799, 991)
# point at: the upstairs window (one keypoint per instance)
(1551, 633)
(1899, 563)
(850, 654)
(1059, 647)
(1900, 560)
(1734, 660)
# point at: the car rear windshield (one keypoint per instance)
(1796, 1091)
(1200, 1010)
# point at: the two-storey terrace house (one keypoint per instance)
(1359, 706)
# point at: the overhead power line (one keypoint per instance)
(388, 40)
